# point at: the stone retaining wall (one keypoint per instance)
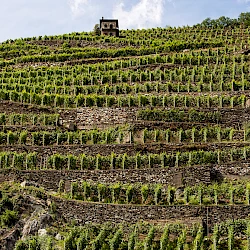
(50, 179)
(96, 116)
(83, 213)
(103, 116)
(9, 107)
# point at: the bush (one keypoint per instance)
(8, 218)
(21, 245)
(31, 244)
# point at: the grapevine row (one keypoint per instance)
(29, 119)
(136, 193)
(27, 161)
(168, 101)
(116, 135)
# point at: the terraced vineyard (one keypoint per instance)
(138, 142)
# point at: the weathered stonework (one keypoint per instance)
(49, 179)
(83, 213)
(103, 116)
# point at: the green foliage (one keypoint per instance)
(248, 193)
(96, 30)
(74, 189)
(164, 241)
(99, 241)
(216, 237)
(60, 162)
(248, 235)
(31, 160)
(61, 186)
(116, 188)
(31, 244)
(198, 239)
(70, 240)
(176, 85)
(8, 218)
(149, 239)
(144, 192)
(230, 237)
(244, 18)
(56, 161)
(129, 193)
(116, 240)
(157, 193)
(101, 191)
(181, 240)
(132, 240)
(83, 240)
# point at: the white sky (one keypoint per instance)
(27, 18)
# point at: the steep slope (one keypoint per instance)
(139, 142)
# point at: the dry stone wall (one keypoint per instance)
(21, 108)
(186, 176)
(83, 213)
(103, 116)
(235, 116)
(95, 116)
(67, 116)
(235, 170)
(49, 179)
(130, 149)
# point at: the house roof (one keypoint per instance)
(109, 20)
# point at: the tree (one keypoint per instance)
(96, 30)
(244, 18)
(224, 22)
(207, 23)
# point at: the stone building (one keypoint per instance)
(109, 27)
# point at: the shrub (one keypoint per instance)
(116, 240)
(144, 193)
(9, 218)
(23, 137)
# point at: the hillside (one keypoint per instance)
(137, 142)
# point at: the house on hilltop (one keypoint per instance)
(109, 27)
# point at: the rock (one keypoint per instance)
(23, 184)
(247, 52)
(29, 183)
(9, 240)
(244, 52)
(60, 122)
(42, 232)
(71, 126)
(248, 103)
(58, 237)
(179, 192)
(49, 202)
(39, 219)
(30, 228)
(45, 219)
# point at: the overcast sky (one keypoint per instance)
(27, 18)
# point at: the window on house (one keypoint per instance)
(105, 25)
(111, 26)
